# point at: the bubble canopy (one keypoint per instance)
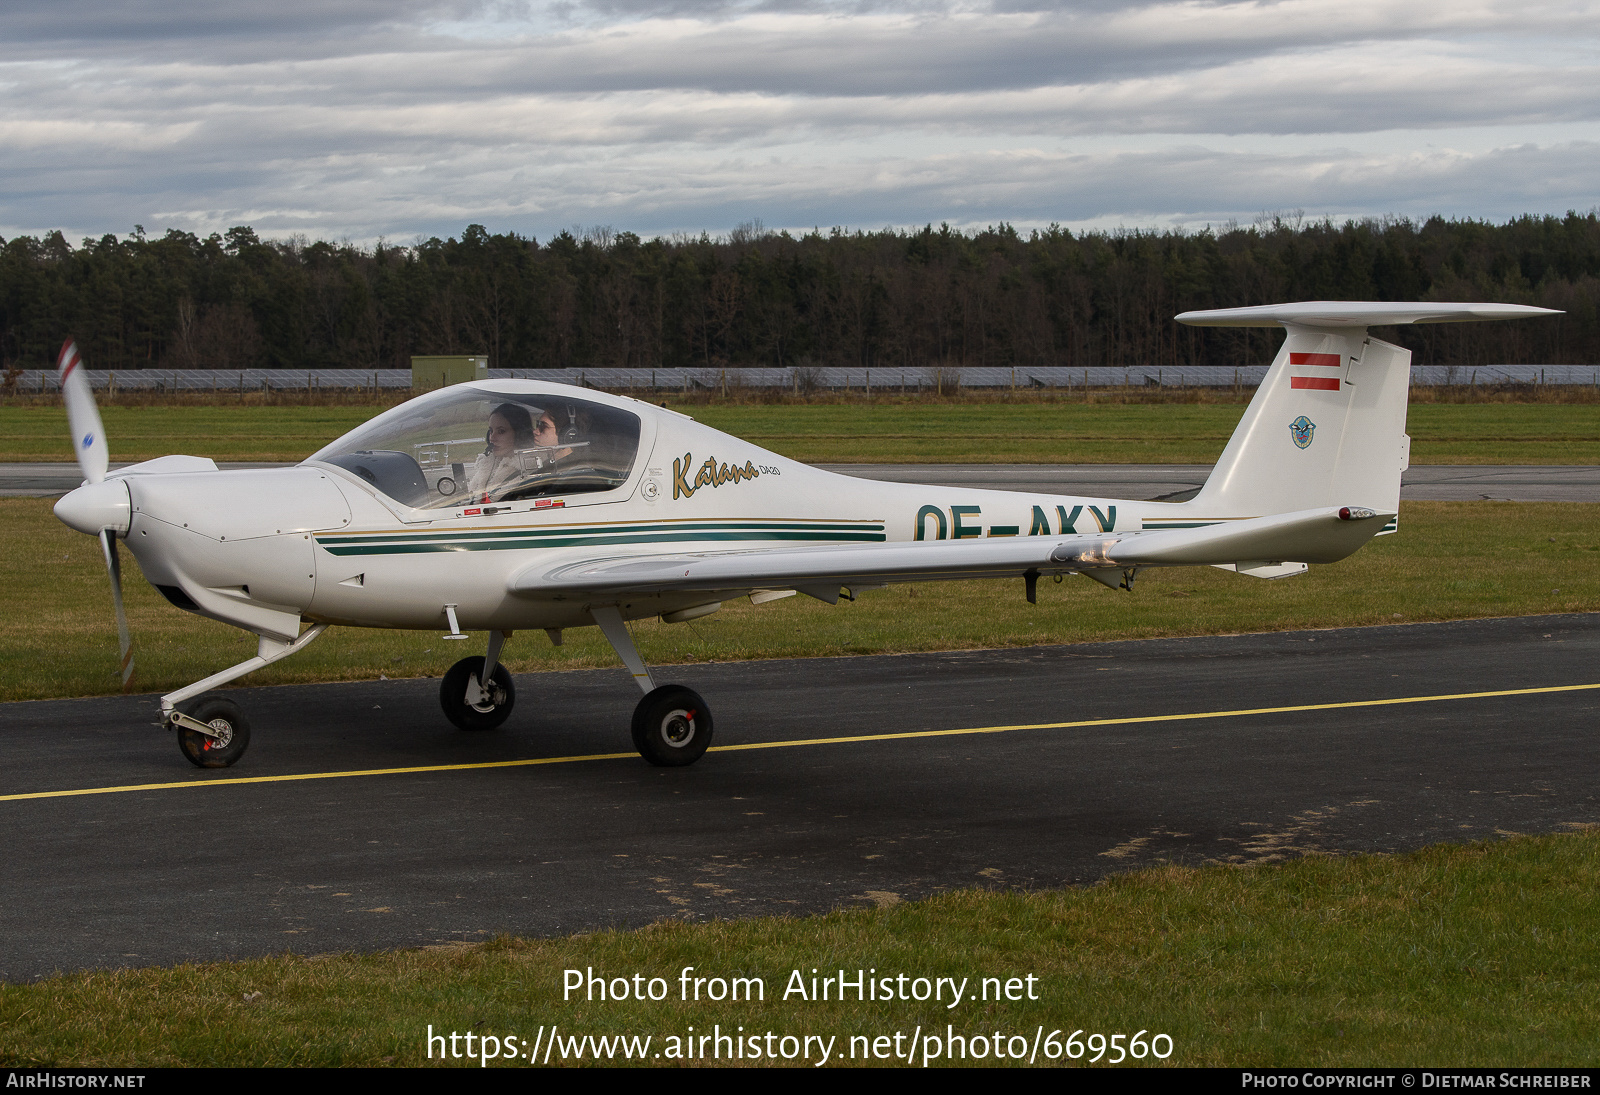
(468, 445)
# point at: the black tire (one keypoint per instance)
(222, 715)
(672, 726)
(453, 693)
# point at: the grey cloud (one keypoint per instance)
(393, 195)
(360, 119)
(829, 50)
(1180, 186)
(241, 114)
(887, 55)
(159, 31)
(129, 22)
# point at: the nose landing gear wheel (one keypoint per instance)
(672, 726)
(233, 732)
(494, 704)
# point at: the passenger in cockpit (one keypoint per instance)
(510, 429)
(545, 433)
(529, 449)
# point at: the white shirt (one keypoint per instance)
(491, 473)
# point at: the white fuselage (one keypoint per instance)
(264, 549)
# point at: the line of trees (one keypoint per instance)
(930, 298)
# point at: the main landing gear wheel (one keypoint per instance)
(672, 726)
(225, 717)
(491, 709)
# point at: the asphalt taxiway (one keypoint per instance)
(359, 820)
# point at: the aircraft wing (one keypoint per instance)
(1316, 536)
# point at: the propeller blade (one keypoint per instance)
(83, 418)
(108, 544)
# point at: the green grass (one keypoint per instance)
(1451, 560)
(1504, 433)
(142, 432)
(1483, 954)
(866, 432)
(1022, 433)
(1117, 433)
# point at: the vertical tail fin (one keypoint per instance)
(1327, 425)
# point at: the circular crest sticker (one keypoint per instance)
(1301, 430)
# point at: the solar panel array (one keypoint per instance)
(799, 380)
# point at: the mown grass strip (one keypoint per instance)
(1482, 954)
(890, 430)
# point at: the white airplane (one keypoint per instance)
(509, 505)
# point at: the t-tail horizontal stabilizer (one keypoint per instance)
(1327, 427)
(1360, 313)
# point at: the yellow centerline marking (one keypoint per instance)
(1127, 720)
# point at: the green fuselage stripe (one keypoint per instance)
(571, 530)
(421, 544)
(568, 530)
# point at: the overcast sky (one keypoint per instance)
(362, 119)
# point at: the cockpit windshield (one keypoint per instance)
(467, 446)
